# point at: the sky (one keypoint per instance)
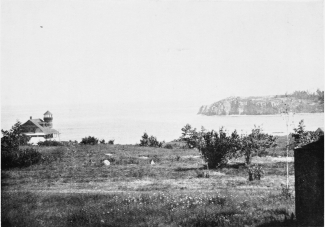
(159, 51)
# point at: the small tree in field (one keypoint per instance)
(190, 136)
(145, 140)
(255, 142)
(218, 148)
(151, 141)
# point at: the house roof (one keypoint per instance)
(46, 130)
(47, 112)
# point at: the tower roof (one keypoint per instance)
(47, 112)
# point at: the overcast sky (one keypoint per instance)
(158, 50)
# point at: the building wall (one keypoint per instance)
(309, 184)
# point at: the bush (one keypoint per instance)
(286, 192)
(168, 146)
(192, 138)
(11, 155)
(256, 143)
(202, 174)
(111, 142)
(19, 158)
(89, 140)
(255, 172)
(53, 155)
(12, 139)
(49, 143)
(218, 148)
(102, 141)
(151, 141)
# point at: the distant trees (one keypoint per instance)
(151, 141)
(318, 95)
(90, 140)
(218, 147)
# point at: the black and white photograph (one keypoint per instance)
(162, 113)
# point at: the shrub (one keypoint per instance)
(151, 141)
(89, 140)
(102, 141)
(256, 143)
(53, 155)
(11, 156)
(12, 139)
(192, 138)
(111, 142)
(19, 158)
(218, 148)
(202, 174)
(48, 143)
(168, 146)
(255, 172)
(286, 192)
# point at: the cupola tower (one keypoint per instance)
(48, 118)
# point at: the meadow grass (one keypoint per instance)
(72, 187)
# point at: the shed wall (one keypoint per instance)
(309, 184)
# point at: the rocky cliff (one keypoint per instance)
(264, 105)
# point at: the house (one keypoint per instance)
(40, 127)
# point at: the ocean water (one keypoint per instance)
(126, 122)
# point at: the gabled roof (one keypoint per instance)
(45, 130)
(47, 112)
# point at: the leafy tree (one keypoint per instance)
(190, 136)
(12, 139)
(255, 142)
(303, 137)
(218, 148)
(145, 140)
(102, 141)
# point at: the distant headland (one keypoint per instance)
(298, 101)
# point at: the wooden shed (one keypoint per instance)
(309, 184)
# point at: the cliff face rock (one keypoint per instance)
(265, 105)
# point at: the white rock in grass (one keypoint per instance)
(143, 157)
(107, 163)
(152, 162)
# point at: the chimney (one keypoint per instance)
(31, 117)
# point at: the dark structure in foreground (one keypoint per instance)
(309, 184)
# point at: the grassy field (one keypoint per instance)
(74, 188)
